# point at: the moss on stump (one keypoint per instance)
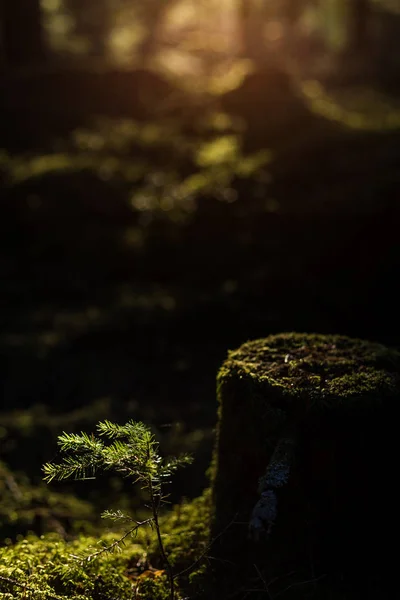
(335, 399)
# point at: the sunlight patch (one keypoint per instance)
(356, 108)
(223, 150)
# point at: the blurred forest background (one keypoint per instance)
(177, 177)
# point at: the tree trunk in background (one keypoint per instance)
(152, 19)
(251, 17)
(22, 32)
(358, 26)
(292, 10)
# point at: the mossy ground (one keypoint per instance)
(47, 567)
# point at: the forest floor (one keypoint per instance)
(138, 249)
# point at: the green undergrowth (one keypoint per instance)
(49, 567)
(126, 161)
(38, 427)
(25, 508)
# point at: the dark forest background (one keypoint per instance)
(177, 177)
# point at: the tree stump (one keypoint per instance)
(303, 474)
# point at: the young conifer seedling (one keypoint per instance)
(132, 452)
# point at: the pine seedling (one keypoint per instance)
(131, 451)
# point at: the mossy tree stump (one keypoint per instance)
(319, 412)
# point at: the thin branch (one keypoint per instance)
(297, 583)
(263, 580)
(114, 544)
(154, 506)
(275, 579)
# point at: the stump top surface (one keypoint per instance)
(324, 367)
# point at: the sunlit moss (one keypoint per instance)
(212, 181)
(219, 121)
(123, 40)
(51, 567)
(107, 166)
(356, 108)
(51, 5)
(144, 201)
(195, 184)
(332, 19)
(229, 77)
(24, 169)
(48, 566)
(249, 165)
(330, 367)
(104, 153)
(224, 149)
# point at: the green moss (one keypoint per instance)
(48, 567)
(186, 531)
(51, 567)
(149, 589)
(322, 369)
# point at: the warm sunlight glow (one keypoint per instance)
(182, 14)
(274, 31)
(51, 5)
(61, 25)
(122, 40)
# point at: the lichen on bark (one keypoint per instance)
(277, 475)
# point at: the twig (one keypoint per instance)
(274, 579)
(263, 580)
(154, 507)
(114, 544)
(292, 585)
